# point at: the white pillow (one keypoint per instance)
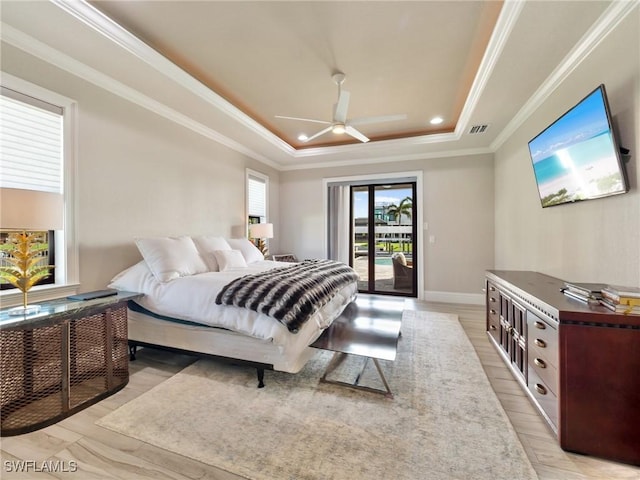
(249, 250)
(230, 259)
(137, 278)
(207, 246)
(171, 257)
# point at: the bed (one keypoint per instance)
(186, 282)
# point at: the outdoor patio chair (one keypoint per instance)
(402, 273)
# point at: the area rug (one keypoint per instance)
(444, 422)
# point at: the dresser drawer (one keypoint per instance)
(543, 367)
(544, 396)
(493, 298)
(493, 323)
(543, 337)
(493, 311)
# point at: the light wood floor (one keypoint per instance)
(548, 459)
(102, 454)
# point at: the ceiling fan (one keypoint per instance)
(340, 125)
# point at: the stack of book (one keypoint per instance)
(621, 299)
(586, 292)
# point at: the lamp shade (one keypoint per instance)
(30, 209)
(261, 230)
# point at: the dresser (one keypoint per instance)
(66, 357)
(578, 363)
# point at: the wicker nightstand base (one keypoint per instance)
(56, 368)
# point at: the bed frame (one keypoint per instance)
(260, 367)
(211, 342)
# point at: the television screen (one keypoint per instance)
(577, 157)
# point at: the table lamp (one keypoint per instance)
(260, 231)
(25, 213)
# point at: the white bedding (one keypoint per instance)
(193, 298)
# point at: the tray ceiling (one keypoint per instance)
(231, 67)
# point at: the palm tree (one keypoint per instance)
(404, 208)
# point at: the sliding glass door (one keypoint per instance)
(383, 238)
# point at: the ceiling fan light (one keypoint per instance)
(338, 129)
(436, 121)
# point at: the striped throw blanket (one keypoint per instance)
(291, 295)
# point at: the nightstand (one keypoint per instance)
(60, 360)
(285, 257)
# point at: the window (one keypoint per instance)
(257, 187)
(30, 158)
(43, 237)
(37, 153)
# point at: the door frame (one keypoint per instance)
(392, 177)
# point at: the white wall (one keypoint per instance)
(140, 174)
(457, 205)
(593, 241)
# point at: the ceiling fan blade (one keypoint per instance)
(380, 119)
(304, 119)
(349, 130)
(321, 132)
(340, 109)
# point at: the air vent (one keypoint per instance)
(478, 129)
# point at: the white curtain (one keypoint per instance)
(338, 223)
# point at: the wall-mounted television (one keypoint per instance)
(577, 157)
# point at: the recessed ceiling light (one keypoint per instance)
(436, 121)
(302, 137)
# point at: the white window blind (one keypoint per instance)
(31, 133)
(257, 197)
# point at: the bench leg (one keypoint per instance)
(338, 357)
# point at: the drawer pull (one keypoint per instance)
(492, 311)
(492, 327)
(540, 343)
(491, 299)
(540, 363)
(540, 389)
(492, 289)
(539, 325)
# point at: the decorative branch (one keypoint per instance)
(25, 252)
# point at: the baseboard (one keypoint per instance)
(454, 297)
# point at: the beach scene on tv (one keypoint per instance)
(575, 158)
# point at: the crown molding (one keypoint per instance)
(507, 19)
(54, 57)
(372, 148)
(97, 21)
(60, 60)
(389, 159)
(375, 152)
(606, 23)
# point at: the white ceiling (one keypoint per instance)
(226, 69)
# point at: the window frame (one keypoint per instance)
(249, 215)
(66, 240)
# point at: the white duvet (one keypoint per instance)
(193, 298)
